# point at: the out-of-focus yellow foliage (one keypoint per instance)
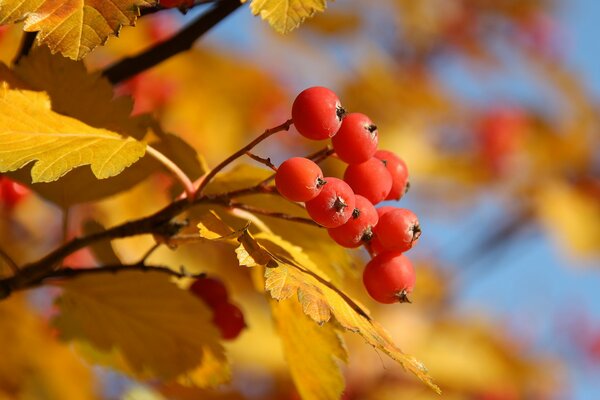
(31, 131)
(159, 330)
(286, 15)
(571, 216)
(73, 27)
(34, 365)
(311, 351)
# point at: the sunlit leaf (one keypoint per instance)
(286, 15)
(159, 329)
(75, 92)
(72, 27)
(311, 351)
(31, 132)
(320, 300)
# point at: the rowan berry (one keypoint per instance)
(370, 179)
(398, 230)
(334, 205)
(357, 139)
(210, 290)
(317, 113)
(359, 227)
(399, 172)
(229, 319)
(299, 179)
(389, 277)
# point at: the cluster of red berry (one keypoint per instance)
(227, 317)
(346, 207)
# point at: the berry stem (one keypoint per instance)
(9, 261)
(264, 161)
(282, 127)
(181, 176)
(256, 210)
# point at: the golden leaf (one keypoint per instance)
(286, 15)
(160, 331)
(310, 351)
(320, 300)
(31, 131)
(72, 27)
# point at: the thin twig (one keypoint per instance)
(27, 42)
(268, 213)
(69, 273)
(283, 127)
(148, 253)
(264, 161)
(182, 41)
(11, 263)
(181, 176)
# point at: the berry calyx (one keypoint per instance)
(357, 139)
(370, 179)
(399, 172)
(299, 179)
(317, 113)
(398, 230)
(358, 229)
(229, 319)
(389, 278)
(332, 207)
(210, 290)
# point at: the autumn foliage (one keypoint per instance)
(155, 243)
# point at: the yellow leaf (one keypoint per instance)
(30, 131)
(310, 351)
(212, 227)
(286, 15)
(250, 253)
(34, 364)
(160, 331)
(88, 97)
(72, 27)
(320, 300)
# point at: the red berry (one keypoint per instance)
(357, 139)
(398, 230)
(11, 192)
(317, 113)
(359, 227)
(299, 179)
(370, 179)
(389, 277)
(229, 319)
(334, 205)
(397, 168)
(210, 290)
(374, 245)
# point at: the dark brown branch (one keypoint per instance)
(182, 41)
(25, 47)
(68, 273)
(151, 10)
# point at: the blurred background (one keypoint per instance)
(494, 107)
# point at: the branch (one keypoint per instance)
(265, 161)
(283, 127)
(25, 47)
(256, 210)
(151, 10)
(69, 273)
(181, 176)
(182, 41)
(9, 261)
